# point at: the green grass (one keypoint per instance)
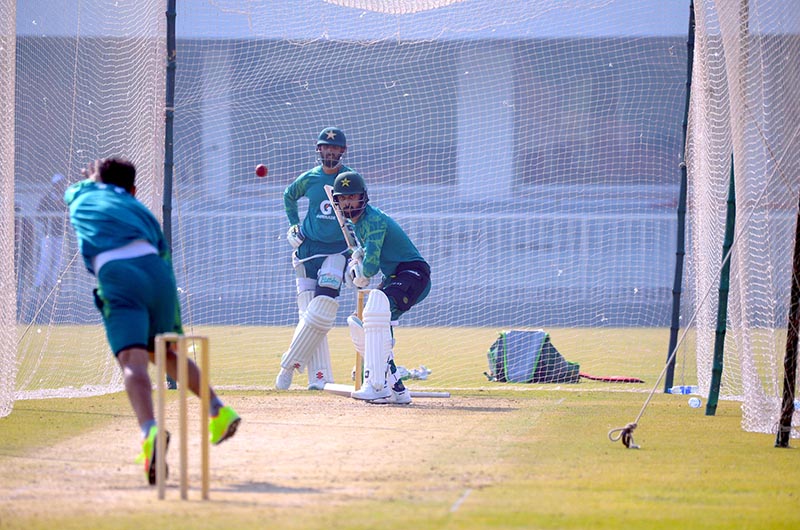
(31, 423)
(249, 356)
(544, 463)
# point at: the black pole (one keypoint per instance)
(681, 235)
(790, 358)
(169, 115)
(722, 304)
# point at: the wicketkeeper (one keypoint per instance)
(319, 259)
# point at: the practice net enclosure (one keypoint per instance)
(531, 149)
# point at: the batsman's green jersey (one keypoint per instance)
(385, 244)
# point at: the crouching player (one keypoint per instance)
(123, 246)
(406, 282)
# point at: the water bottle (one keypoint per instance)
(684, 389)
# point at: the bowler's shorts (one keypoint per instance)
(138, 300)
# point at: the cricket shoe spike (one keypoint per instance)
(368, 393)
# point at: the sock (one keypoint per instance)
(146, 426)
(215, 405)
(397, 383)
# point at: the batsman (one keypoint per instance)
(319, 260)
(406, 281)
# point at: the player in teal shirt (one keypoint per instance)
(318, 260)
(123, 246)
(405, 282)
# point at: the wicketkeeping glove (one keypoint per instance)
(295, 236)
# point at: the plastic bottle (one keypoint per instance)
(684, 389)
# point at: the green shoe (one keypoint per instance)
(223, 425)
(148, 455)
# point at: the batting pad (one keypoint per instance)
(314, 325)
(303, 299)
(356, 333)
(377, 339)
(319, 368)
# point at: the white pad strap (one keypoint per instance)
(314, 325)
(377, 339)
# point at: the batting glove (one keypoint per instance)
(358, 255)
(295, 236)
(355, 275)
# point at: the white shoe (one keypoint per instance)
(284, 379)
(368, 393)
(396, 398)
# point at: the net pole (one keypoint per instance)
(722, 305)
(169, 116)
(680, 251)
(790, 358)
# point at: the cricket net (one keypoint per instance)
(744, 104)
(531, 150)
(8, 291)
(89, 83)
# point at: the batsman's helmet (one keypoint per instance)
(351, 183)
(332, 136)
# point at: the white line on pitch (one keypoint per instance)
(456, 505)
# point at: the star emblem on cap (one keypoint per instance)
(345, 182)
(330, 135)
